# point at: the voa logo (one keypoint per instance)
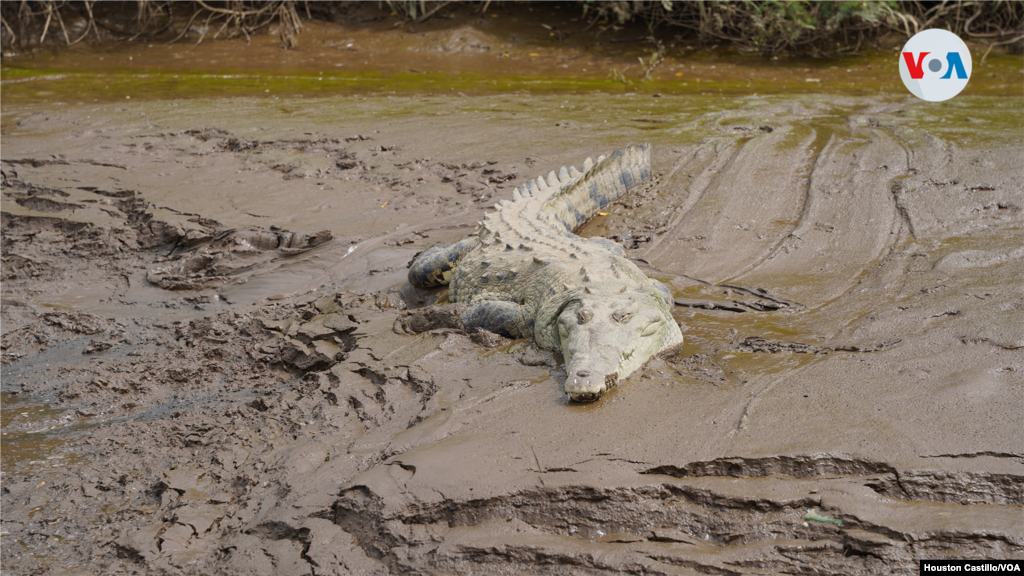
(935, 65)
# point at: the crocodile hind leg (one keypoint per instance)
(434, 265)
(499, 316)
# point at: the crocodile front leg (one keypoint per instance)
(499, 316)
(434, 265)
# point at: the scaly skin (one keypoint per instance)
(525, 274)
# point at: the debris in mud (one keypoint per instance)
(701, 366)
(97, 345)
(77, 322)
(27, 337)
(318, 343)
(813, 515)
(771, 346)
(215, 260)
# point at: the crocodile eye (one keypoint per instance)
(625, 314)
(584, 315)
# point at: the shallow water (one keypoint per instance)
(876, 377)
(547, 50)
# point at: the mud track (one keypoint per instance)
(209, 366)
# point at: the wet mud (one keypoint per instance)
(213, 363)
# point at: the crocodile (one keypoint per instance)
(524, 273)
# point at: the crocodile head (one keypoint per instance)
(606, 337)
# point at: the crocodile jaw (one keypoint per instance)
(589, 389)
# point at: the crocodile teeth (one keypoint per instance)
(540, 182)
(552, 178)
(588, 164)
(563, 175)
(573, 172)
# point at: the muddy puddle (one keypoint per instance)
(205, 368)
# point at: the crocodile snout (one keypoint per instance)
(583, 387)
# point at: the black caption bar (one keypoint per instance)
(972, 566)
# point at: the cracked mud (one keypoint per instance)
(212, 362)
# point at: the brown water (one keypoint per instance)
(182, 395)
(546, 50)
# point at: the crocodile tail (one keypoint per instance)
(575, 198)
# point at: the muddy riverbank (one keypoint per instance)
(260, 410)
(205, 370)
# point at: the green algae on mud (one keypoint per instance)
(35, 86)
(25, 81)
(508, 49)
(25, 87)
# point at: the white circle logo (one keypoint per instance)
(935, 65)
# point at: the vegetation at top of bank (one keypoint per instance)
(767, 26)
(804, 26)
